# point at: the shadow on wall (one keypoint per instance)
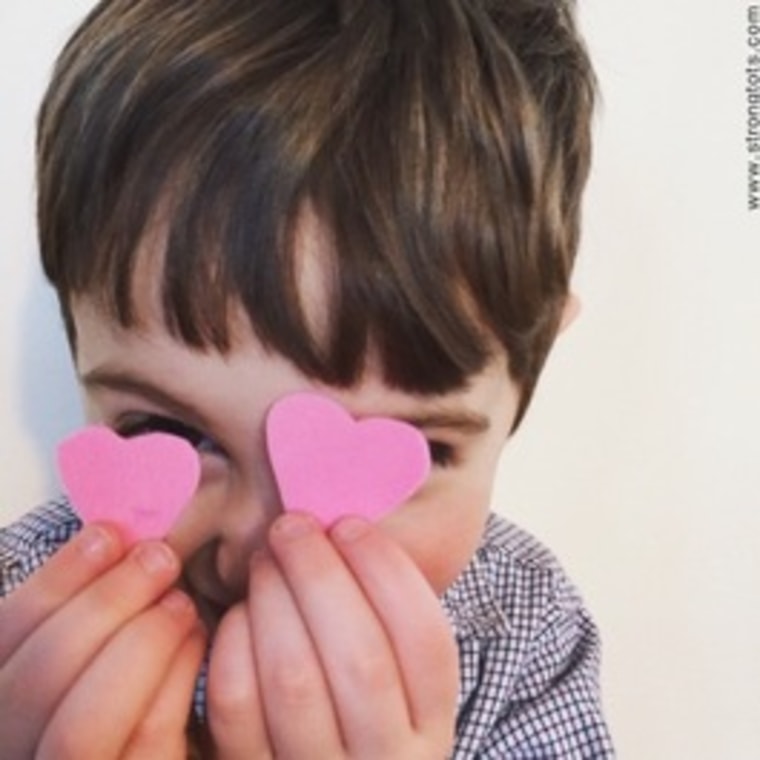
(50, 401)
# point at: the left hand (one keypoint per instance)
(98, 654)
(341, 650)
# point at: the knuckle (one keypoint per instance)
(229, 705)
(15, 695)
(59, 743)
(294, 684)
(124, 591)
(372, 672)
(150, 733)
(17, 621)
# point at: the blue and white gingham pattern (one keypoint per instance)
(529, 652)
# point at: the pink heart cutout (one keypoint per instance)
(330, 465)
(142, 484)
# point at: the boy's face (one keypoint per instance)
(135, 380)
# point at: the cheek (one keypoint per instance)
(441, 531)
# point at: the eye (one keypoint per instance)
(441, 454)
(141, 424)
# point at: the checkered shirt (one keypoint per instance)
(529, 652)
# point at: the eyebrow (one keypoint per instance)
(470, 423)
(125, 382)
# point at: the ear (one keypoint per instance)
(570, 311)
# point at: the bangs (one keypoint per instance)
(231, 235)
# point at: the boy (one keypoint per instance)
(377, 201)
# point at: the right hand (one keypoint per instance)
(99, 655)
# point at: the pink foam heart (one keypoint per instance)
(142, 483)
(330, 465)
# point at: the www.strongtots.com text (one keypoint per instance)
(753, 106)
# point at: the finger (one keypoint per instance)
(120, 684)
(162, 732)
(355, 652)
(424, 643)
(234, 707)
(55, 653)
(92, 551)
(297, 703)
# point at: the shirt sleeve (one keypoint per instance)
(554, 711)
(27, 544)
(529, 656)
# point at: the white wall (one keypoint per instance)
(639, 463)
(38, 402)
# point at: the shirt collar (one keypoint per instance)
(473, 602)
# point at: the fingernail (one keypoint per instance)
(292, 526)
(350, 529)
(155, 558)
(96, 543)
(177, 603)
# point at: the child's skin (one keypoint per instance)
(324, 644)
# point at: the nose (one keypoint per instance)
(225, 523)
(242, 530)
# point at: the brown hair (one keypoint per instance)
(444, 145)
